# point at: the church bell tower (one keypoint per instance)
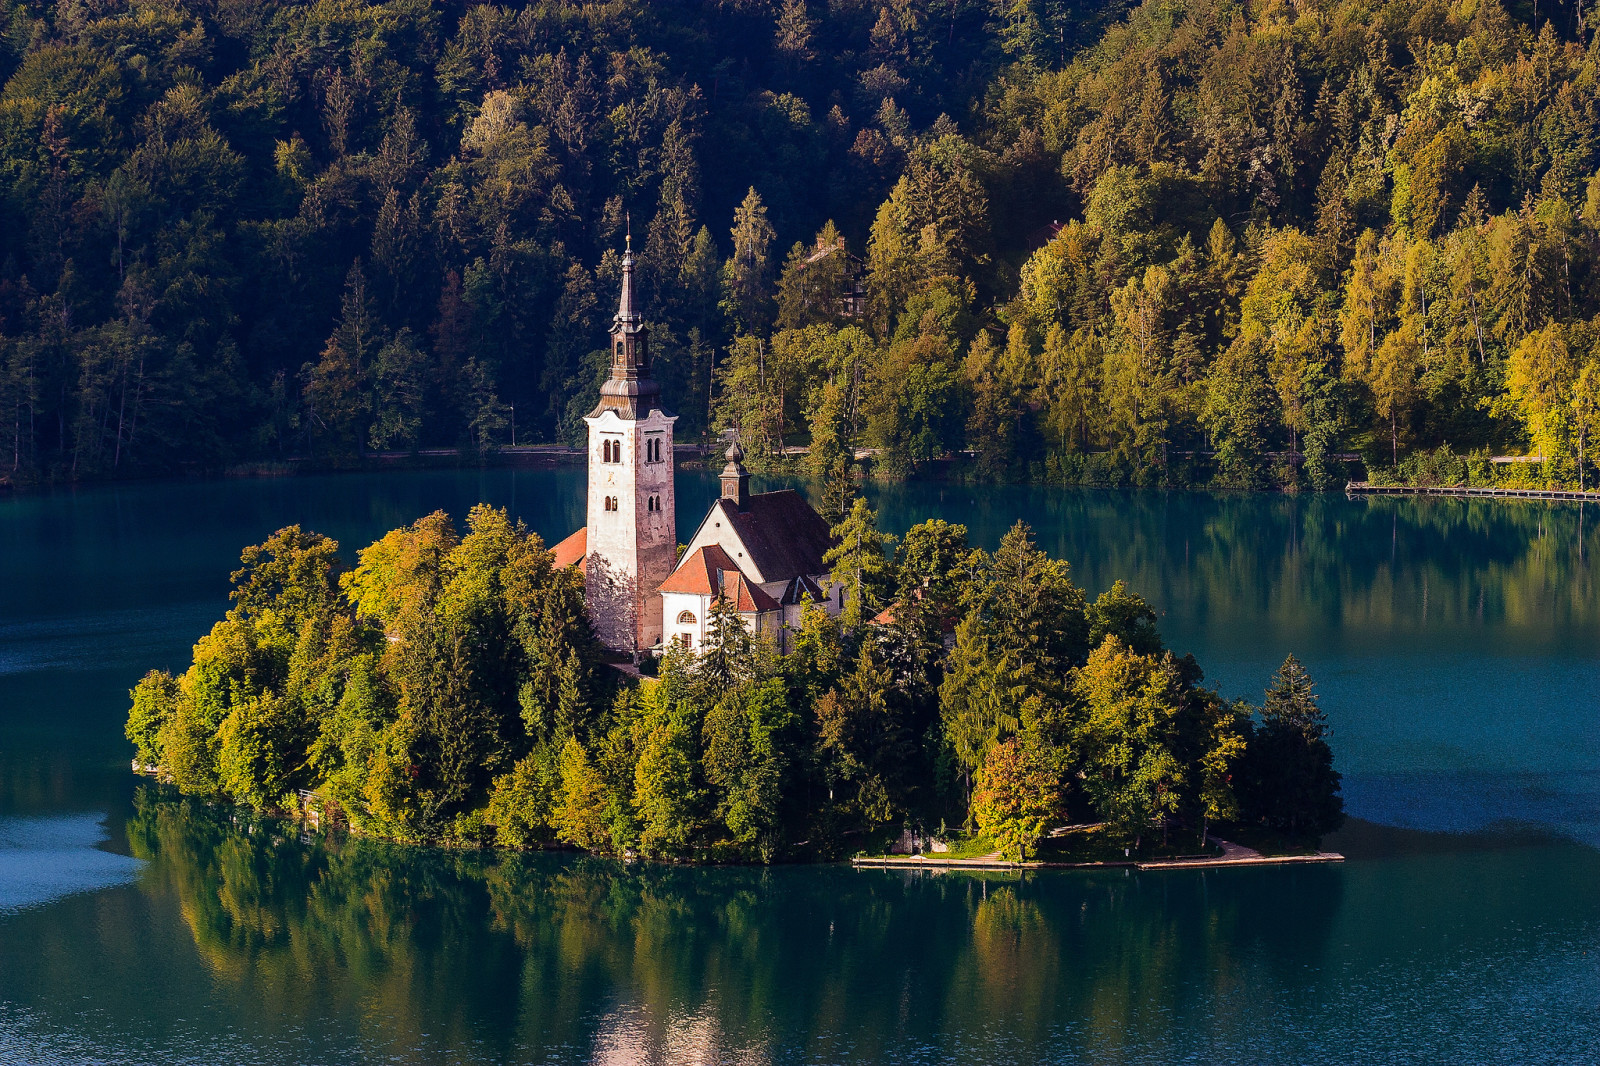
(632, 527)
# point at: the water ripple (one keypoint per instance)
(45, 859)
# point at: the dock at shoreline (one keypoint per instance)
(1233, 856)
(1366, 488)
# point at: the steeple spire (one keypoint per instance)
(625, 312)
(630, 391)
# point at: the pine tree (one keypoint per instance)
(726, 657)
(1289, 782)
(857, 563)
(338, 400)
(747, 277)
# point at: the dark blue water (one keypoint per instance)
(1456, 648)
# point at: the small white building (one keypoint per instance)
(763, 551)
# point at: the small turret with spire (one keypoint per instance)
(735, 478)
(630, 390)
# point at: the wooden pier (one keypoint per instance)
(1366, 488)
(1194, 862)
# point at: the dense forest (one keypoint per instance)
(1178, 242)
(448, 688)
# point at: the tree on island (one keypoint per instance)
(1289, 782)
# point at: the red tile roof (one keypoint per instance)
(573, 550)
(747, 597)
(698, 574)
(710, 572)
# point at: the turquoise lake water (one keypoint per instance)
(1456, 645)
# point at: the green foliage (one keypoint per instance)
(666, 792)
(1289, 780)
(858, 563)
(448, 689)
(1016, 800)
(391, 689)
(521, 801)
(1233, 257)
(155, 700)
(1121, 614)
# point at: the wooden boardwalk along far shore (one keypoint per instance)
(1366, 488)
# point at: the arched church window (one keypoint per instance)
(686, 618)
(605, 451)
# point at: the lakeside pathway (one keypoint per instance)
(1365, 488)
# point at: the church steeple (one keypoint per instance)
(630, 390)
(632, 534)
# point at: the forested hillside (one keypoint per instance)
(1091, 245)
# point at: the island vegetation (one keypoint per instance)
(1199, 241)
(447, 689)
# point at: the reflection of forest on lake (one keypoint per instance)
(1301, 560)
(522, 955)
(1453, 641)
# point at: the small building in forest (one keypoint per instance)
(762, 552)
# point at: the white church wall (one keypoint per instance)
(632, 528)
(673, 607)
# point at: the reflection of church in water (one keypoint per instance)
(762, 551)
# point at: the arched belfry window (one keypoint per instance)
(686, 618)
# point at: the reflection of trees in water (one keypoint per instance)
(1090, 957)
(1271, 559)
(512, 953)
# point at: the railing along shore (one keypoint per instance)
(1366, 488)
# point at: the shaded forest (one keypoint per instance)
(1174, 243)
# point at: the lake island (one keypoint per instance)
(815, 689)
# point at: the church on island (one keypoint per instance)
(761, 550)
